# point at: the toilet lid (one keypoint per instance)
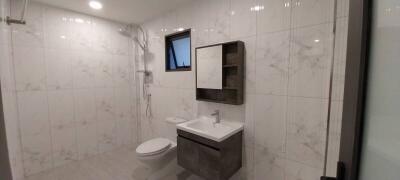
(154, 146)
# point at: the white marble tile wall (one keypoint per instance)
(9, 94)
(289, 48)
(74, 86)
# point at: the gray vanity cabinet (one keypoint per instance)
(210, 159)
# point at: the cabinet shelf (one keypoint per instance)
(230, 87)
(230, 66)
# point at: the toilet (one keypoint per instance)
(159, 154)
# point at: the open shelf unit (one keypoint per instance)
(232, 91)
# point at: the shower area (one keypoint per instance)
(69, 87)
(80, 92)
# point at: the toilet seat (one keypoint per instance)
(153, 147)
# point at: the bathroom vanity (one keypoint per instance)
(211, 151)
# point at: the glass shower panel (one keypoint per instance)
(317, 56)
(381, 144)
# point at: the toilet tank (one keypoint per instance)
(171, 123)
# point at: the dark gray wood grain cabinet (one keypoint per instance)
(210, 159)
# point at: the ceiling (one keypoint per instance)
(126, 11)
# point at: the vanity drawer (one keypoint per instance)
(188, 154)
(199, 158)
(209, 160)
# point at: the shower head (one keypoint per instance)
(143, 43)
(125, 31)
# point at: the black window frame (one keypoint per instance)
(168, 43)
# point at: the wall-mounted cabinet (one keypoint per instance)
(220, 73)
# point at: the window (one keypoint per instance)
(178, 51)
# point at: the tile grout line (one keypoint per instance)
(285, 143)
(47, 95)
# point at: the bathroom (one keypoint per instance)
(101, 89)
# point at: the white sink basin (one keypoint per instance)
(206, 128)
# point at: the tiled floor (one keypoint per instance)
(117, 165)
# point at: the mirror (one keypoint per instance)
(209, 67)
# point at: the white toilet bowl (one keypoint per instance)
(159, 154)
(156, 152)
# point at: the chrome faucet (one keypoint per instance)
(217, 115)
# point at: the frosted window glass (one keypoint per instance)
(182, 51)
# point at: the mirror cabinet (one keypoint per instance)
(220, 73)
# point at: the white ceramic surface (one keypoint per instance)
(153, 147)
(205, 127)
(175, 120)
